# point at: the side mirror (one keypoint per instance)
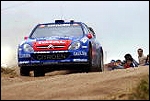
(89, 35)
(25, 38)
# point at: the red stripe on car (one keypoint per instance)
(51, 45)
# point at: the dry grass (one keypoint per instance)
(141, 91)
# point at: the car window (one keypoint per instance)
(57, 30)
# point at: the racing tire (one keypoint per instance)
(24, 71)
(39, 72)
(85, 69)
(89, 66)
(101, 66)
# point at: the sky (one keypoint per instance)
(120, 26)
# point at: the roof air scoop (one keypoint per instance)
(72, 21)
(59, 21)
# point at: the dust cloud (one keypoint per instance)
(13, 30)
(8, 56)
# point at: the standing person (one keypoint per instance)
(147, 60)
(141, 57)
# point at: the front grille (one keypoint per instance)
(50, 47)
(50, 56)
(53, 45)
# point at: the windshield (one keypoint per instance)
(61, 30)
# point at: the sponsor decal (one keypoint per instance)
(23, 62)
(57, 25)
(80, 60)
(51, 42)
(65, 60)
(50, 62)
(51, 56)
(35, 61)
(80, 53)
(51, 52)
(84, 47)
(24, 55)
(84, 39)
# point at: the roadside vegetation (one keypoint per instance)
(138, 92)
(141, 91)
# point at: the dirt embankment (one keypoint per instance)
(63, 85)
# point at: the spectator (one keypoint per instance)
(147, 60)
(118, 65)
(141, 57)
(128, 63)
(129, 57)
(111, 65)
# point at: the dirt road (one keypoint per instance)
(61, 85)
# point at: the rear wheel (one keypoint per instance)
(89, 66)
(24, 71)
(101, 66)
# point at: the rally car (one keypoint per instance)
(60, 43)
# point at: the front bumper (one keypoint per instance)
(78, 57)
(53, 63)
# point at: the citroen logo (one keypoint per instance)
(50, 46)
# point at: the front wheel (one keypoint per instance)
(39, 72)
(24, 71)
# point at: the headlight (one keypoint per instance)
(27, 48)
(75, 45)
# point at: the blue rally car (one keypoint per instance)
(60, 44)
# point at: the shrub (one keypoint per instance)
(141, 92)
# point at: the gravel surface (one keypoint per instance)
(66, 85)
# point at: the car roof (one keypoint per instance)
(61, 22)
